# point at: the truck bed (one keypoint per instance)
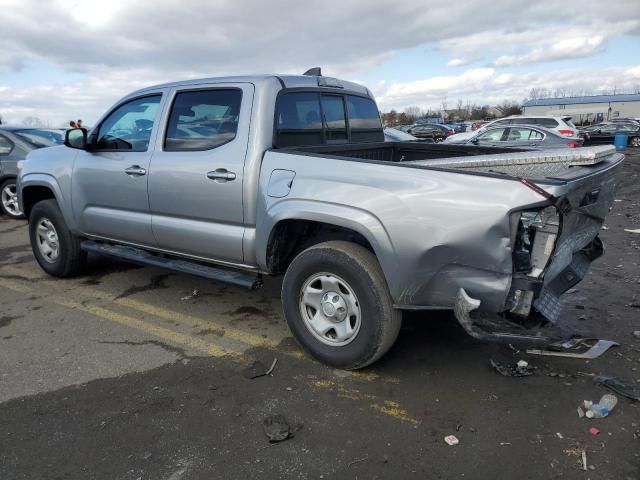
(544, 166)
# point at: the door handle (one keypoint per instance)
(221, 175)
(135, 170)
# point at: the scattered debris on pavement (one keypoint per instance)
(601, 409)
(637, 334)
(358, 460)
(277, 429)
(451, 440)
(582, 348)
(520, 369)
(635, 230)
(584, 460)
(626, 389)
(259, 369)
(594, 431)
(193, 294)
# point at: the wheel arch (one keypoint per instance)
(308, 223)
(35, 188)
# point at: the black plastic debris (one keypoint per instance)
(626, 389)
(258, 369)
(277, 429)
(520, 369)
(255, 370)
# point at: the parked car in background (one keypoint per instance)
(456, 127)
(405, 128)
(431, 130)
(605, 132)
(561, 125)
(15, 143)
(523, 136)
(395, 135)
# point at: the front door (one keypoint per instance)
(197, 172)
(109, 188)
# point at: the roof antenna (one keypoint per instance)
(313, 72)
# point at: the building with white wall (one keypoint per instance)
(591, 109)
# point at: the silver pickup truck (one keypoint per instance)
(235, 178)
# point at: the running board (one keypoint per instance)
(136, 255)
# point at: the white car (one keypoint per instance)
(562, 125)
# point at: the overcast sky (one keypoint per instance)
(64, 59)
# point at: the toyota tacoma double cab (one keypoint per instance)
(235, 178)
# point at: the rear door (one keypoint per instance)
(197, 172)
(109, 183)
(494, 137)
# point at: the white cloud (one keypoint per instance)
(457, 62)
(575, 47)
(487, 86)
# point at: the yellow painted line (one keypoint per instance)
(161, 332)
(167, 314)
(387, 407)
(16, 287)
(394, 410)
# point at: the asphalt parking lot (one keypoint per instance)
(125, 373)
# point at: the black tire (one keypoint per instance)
(10, 183)
(439, 139)
(70, 258)
(380, 322)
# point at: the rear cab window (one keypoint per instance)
(316, 118)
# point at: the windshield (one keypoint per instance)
(41, 138)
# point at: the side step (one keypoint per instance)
(135, 255)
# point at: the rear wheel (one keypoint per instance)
(56, 249)
(338, 306)
(9, 199)
(439, 139)
(635, 142)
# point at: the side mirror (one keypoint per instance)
(76, 138)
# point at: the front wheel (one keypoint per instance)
(9, 199)
(56, 249)
(337, 304)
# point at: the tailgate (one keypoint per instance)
(583, 202)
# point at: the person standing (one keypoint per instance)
(73, 124)
(79, 123)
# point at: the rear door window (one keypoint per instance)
(299, 120)
(203, 119)
(334, 118)
(492, 136)
(364, 120)
(517, 134)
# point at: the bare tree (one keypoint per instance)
(32, 122)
